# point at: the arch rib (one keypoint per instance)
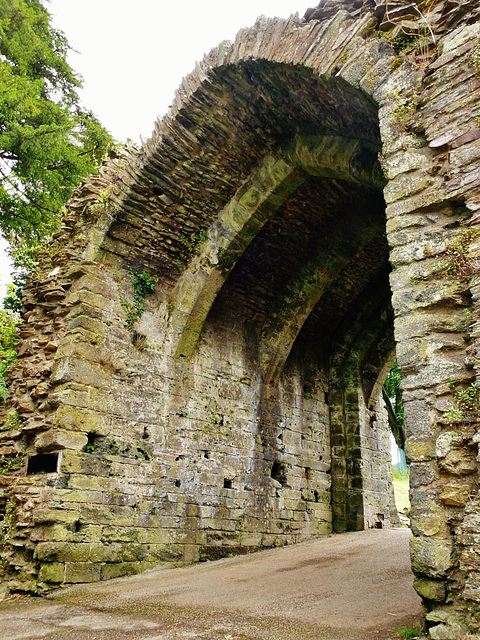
(243, 217)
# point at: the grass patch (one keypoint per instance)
(401, 486)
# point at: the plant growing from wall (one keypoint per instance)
(10, 463)
(418, 37)
(405, 110)
(12, 421)
(467, 404)
(460, 261)
(143, 284)
(191, 245)
(193, 242)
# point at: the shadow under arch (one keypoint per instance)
(266, 189)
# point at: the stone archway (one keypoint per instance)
(202, 424)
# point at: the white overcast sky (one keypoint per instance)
(132, 54)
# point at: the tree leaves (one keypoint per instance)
(48, 142)
(392, 396)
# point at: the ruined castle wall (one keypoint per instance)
(244, 397)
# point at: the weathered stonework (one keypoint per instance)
(243, 408)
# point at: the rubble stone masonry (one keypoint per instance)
(205, 341)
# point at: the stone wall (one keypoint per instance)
(242, 408)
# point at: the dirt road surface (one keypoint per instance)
(354, 586)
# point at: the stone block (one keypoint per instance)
(447, 442)
(60, 439)
(83, 463)
(455, 494)
(78, 496)
(419, 450)
(78, 572)
(77, 419)
(75, 370)
(458, 462)
(60, 516)
(404, 185)
(430, 589)
(431, 557)
(160, 535)
(53, 533)
(448, 632)
(117, 552)
(117, 569)
(52, 572)
(472, 585)
(62, 551)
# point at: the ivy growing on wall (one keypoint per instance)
(143, 284)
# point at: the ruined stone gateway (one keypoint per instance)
(204, 345)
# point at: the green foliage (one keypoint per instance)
(143, 284)
(418, 39)
(402, 41)
(467, 404)
(193, 243)
(24, 256)
(466, 399)
(48, 142)
(409, 633)
(8, 343)
(307, 392)
(10, 463)
(401, 486)
(12, 421)
(191, 246)
(392, 396)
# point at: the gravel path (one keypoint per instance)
(354, 586)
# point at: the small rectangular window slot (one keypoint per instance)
(42, 463)
(227, 484)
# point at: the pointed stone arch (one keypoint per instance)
(239, 222)
(243, 146)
